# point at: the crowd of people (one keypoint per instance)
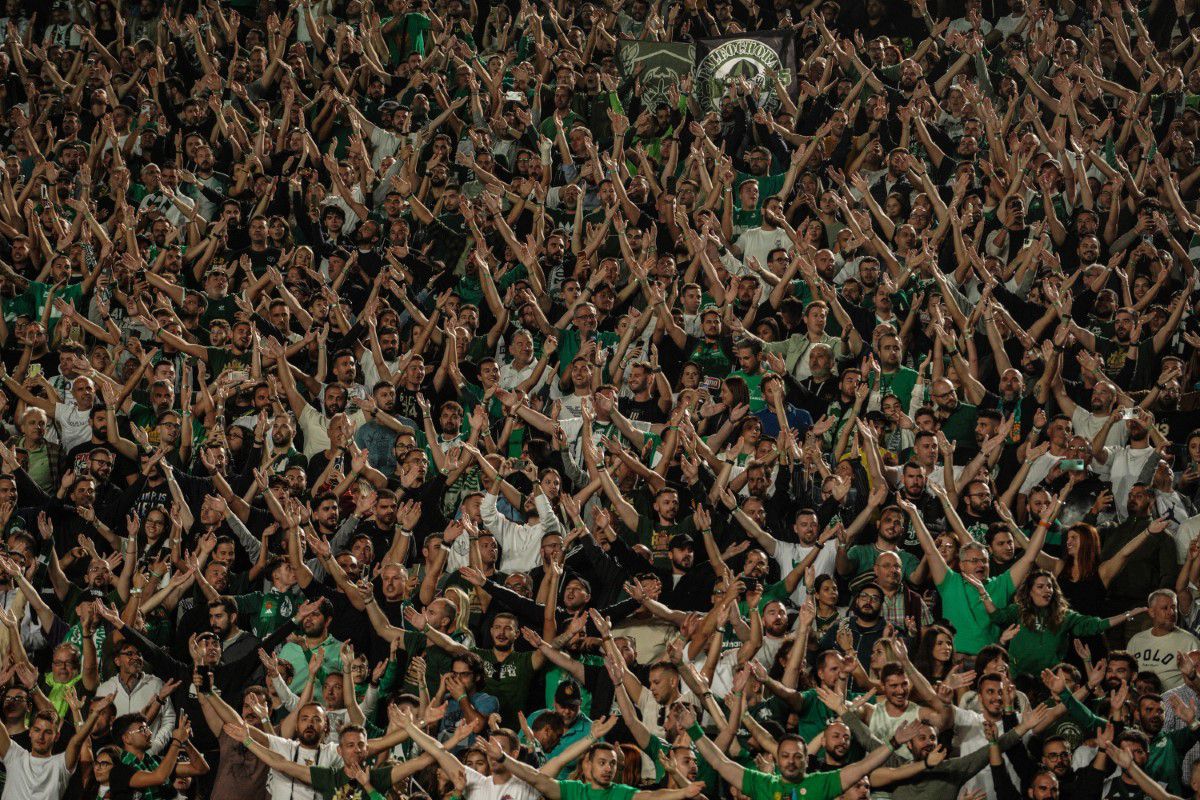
(414, 399)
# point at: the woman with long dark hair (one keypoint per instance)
(1083, 576)
(1044, 622)
(935, 653)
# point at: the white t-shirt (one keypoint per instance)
(757, 243)
(280, 786)
(32, 778)
(1158, 653)
(371, 371)
(1087, 425)
(482, 787)
(1038, 470)
(73, 425)
(789, 554)
(1122, 467)
(315, 427)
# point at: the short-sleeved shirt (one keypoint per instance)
(329, 781)
(32, 778)
(437, 660)
(570, 342)
(280, 786)
(658, 537)
(508, 680)
(482, 787)
(715, 359)
(74, 424)
(818, 786)
(221, 360)
(578, 790)
(126, 766)
(863, 557)
(269, 611)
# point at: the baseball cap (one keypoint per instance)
(681, 540)
(567, 694)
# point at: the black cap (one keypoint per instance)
(567, 694)
(681, 540)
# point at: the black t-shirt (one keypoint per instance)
(125, 766)
(259, 260)
(643, 410)
(349, 624)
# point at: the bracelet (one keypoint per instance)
(247, 741)
(135, 591)
(460, 698)
(179, 742)
(695, 732)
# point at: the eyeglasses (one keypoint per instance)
(58, 662)
(1063, 756)
(874, 598)
(104, 763)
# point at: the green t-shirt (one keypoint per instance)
(129, 765)
(775, 591)
(768, 185)
(508, 680)
(30, 302)
(437, 660)
(704, 771)
(220, 359)
(813, 716)
(964, 610)
(578, 790)
(900, 383)
(408, 37)
(330, 782)
(269, 610)
(715, 359)
(754, 385)
(658, 538)
(960, 425)
(570, 342)
(818, 786)
(863, 556)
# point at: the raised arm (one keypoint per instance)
(543, 783)
(933, 557)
